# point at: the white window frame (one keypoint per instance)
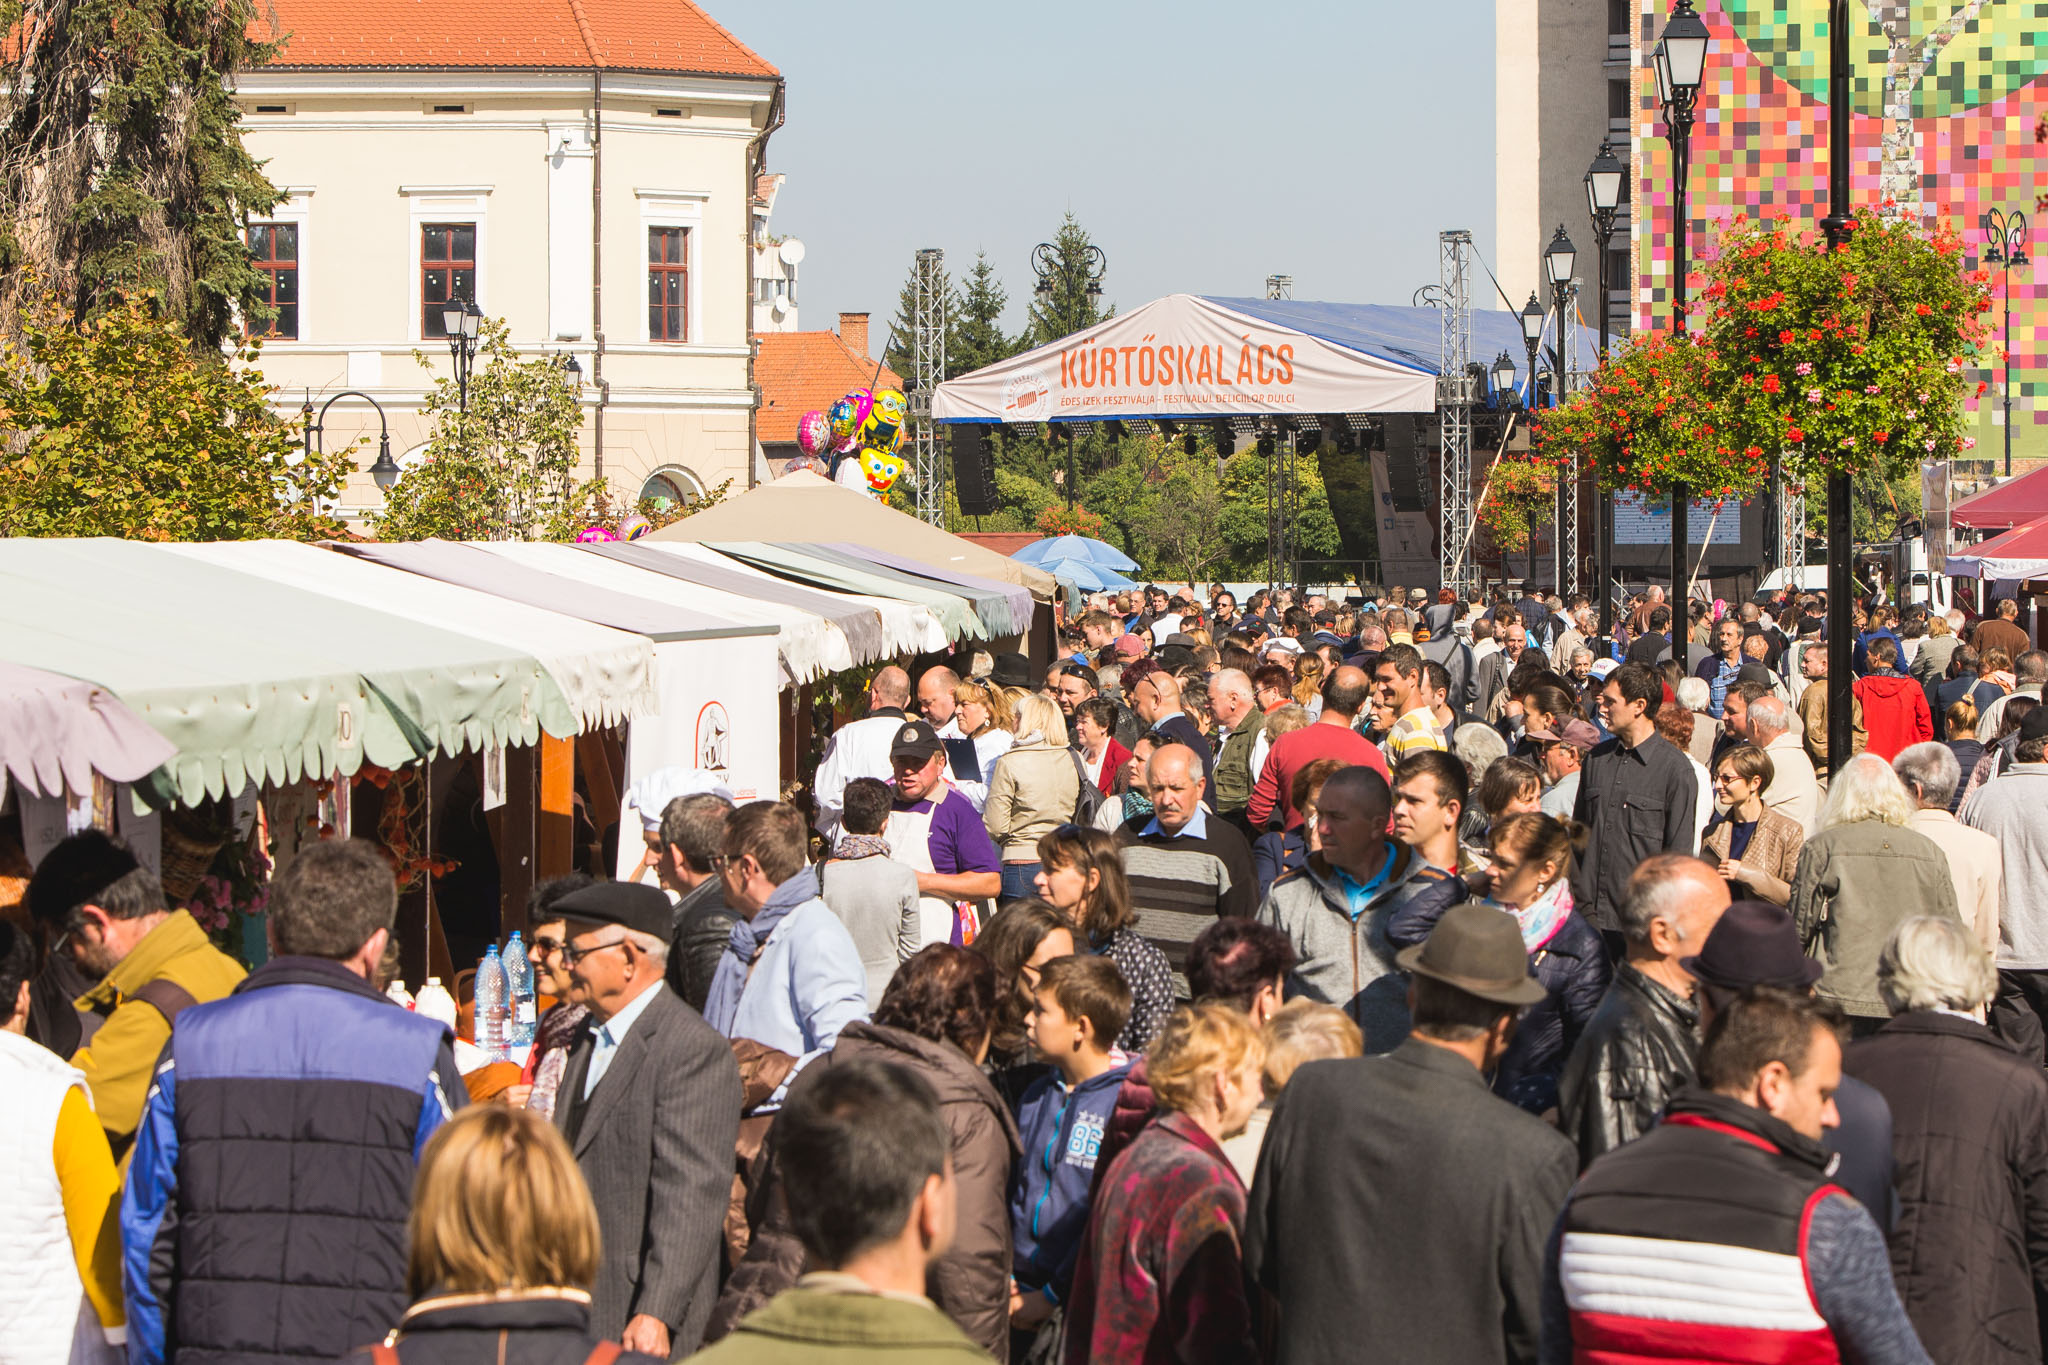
(672, 208)
(445, 204)
(674, 473)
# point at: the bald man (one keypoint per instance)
(935, 699)
(861, 748)
(1238, 721)
(1186, 866)
(1156, 699)
(1332, 736)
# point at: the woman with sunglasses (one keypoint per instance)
(557, 1028)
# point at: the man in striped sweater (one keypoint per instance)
(1186, 866)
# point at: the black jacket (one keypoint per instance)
(1573, 969)
(1636, 801)
(1639, 1049)
(527, 1329)
(1970, 1134)
(703, 927)
(1400, 1210)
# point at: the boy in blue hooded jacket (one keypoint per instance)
(1081, 1005)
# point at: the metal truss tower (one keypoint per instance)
(928, 360)
(1454, 397)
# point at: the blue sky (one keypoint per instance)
(1204, 145)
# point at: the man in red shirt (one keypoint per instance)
(1344, 695)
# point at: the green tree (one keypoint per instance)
(122, 169)
(505, 468)
(1244, 522)
(896, 347)
(977, 339)
(119, 427)
(1070, 305)
(1182, 521)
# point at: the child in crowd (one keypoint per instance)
(1080, 1007)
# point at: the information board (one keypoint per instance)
(1640, 519)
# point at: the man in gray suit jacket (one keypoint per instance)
(650, 1103)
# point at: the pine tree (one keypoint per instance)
(1069, 306)
(977, 338)
(122, 169)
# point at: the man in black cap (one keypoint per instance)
(936, 830)
(650, 1103)
(1756, 944)
(103, 914)
(1399, 1201)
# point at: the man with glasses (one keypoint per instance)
(560, 1026)
(650, 1104)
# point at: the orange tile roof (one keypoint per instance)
(800, 372)
(631, 35)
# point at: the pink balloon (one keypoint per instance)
(813, 433)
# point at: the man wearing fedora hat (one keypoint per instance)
(1399, 1203)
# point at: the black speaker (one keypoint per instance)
(974, 469)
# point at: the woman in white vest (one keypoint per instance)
(60, 1298)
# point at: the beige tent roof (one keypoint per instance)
(803, 507)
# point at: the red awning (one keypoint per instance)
(2019, 554)
(2013, 503)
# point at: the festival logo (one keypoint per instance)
(714, 738)
(1027, 397)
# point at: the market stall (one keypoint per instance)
(59, 734)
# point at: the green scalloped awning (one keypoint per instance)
(256, 680)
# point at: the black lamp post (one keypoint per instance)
(1558, 259)
(1680, 62)
(1603, 198)
(1503, 379)
(385, 471)
(1841, 532)
(1532, 337)
(462, 320)
(1049, 265)
(2005, 246)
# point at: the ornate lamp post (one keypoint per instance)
(1680, 62)
(462, 321)
(1841, 532)
(314, 432)
(1603, 198)
(1558, 259)
(2005, 246)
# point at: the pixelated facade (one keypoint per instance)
(1962, 97)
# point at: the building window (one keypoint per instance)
(447, 271)
(668, 283)
(274, 249)
(1618, 15)
(677, 488)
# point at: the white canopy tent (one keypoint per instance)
(809, 645)
(907, 627)
(606, 675)
(1185, 356)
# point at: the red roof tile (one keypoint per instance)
(632, 35)
(801, 372)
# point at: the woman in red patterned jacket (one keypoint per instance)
(1161, 1275)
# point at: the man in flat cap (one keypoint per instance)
(650, 1103)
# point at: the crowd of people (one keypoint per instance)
(1427, 977)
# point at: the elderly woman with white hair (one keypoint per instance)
(1970, 1147)
(1861, 875)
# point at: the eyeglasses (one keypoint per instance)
(573, 955)
(544, 945)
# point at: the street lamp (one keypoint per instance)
(1841, 529)
(1604, 180)
(2005, 246)
(462, 320)
(385, 471)
(1680, 61)
(1532, 337)
(1558, 259)
(1503, 378)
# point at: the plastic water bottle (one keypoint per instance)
(519, 975)
(435, 1002)
(493, 1006)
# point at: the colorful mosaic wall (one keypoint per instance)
(1760, 145)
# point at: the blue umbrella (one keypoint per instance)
(1084, 548)
(1086, 576)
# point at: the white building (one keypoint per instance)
(588, 172)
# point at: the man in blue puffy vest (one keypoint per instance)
(264, 1218)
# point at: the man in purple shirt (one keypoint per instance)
(937, 832)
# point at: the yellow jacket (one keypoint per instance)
(121, 1056)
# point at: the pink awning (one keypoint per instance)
(56, 732)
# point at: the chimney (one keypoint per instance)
(853, 330)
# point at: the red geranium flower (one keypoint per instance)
(1771, 384)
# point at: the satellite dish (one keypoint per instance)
(791, 252)
(781, 306)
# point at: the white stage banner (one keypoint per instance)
(1183, 356)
